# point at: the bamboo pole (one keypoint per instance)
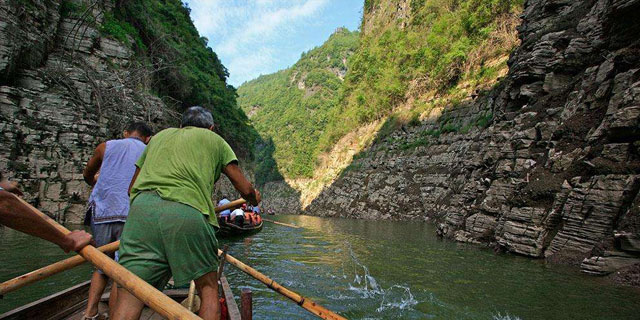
(282, 223)
(306, 303)
(233, 204)
(149, 295)
(44, 272)
(191, 297)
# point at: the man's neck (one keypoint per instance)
(135, 137)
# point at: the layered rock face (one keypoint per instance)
(554, 174)
(64, 88)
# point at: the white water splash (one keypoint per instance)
(390, 299)
(397, 297)
(507, 316)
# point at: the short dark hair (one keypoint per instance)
(197, 116)
(141, 127)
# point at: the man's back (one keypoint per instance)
(109, 196)
(182, 165)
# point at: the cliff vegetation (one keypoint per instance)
(291, 108)
(409, 59)
(186, 71)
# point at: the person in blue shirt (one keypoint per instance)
(224, 214)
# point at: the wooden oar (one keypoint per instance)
(149, 295)
(44, 272)
(233, 204)
(306, 303)
(281, 223)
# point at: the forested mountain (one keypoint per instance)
(292, 108)
(409, 59)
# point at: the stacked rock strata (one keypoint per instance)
(64, 88)
(555, 174)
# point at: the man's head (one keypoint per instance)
(197, 116)
(138, 130)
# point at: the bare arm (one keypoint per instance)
(15, 215)
(133, 180)
(93, 166)
(240, 182)
(11, 186)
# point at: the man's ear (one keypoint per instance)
(126, 133)
(211, 128)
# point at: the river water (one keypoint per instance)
(373, 270)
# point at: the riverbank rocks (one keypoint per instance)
(556, 172)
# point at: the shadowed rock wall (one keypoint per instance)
(555, 174)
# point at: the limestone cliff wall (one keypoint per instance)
(64, 88)
(555, 173)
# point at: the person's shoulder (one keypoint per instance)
(165, 131)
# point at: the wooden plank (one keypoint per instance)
(247, 304)
(53, 307)
(232, 306)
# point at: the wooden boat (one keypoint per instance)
(70, 304)
(230, 230)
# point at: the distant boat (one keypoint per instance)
(231, 230)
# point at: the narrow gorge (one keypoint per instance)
(544, 162)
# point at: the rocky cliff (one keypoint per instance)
(544, 164)
(71, 76)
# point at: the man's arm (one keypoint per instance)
(11, 186)
(15, 215)
(133, 180)
(240, 182)
(94, 164)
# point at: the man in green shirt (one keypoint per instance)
(170, 228)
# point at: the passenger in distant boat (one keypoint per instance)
(248, 214)
(237, 217)
(170, 228)
(16, 215)
(224, 214)
(109, 200)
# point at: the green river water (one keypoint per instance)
(373, 270)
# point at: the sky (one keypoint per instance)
(257, 37)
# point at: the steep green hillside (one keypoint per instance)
(411, 56)
(293, 106)
(186, 71)
(421, 51)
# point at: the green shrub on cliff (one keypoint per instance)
(292, 106)
(430, 47)
(187, 72)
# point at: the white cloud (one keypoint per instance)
(243, 33)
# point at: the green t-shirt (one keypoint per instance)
(182, 165)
